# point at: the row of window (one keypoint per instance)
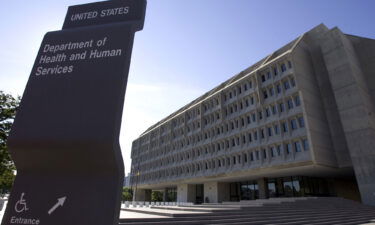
(244, 138)
(278, 87)
(179, 141)
(263, 154)
(275, 71)
(236, 90)
(212, 118)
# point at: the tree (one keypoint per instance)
(8, 108)
(127, 194)
(156, 196)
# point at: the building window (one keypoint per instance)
(245, 158)
(292, 82)
(256, 135)
(234, 160)
(250, 139)
(283, 67)
(252, 100)
(275, 71)
(269, 131)
(248, 120)
(286, 85)
(281, 107)
(271, 91)
(265, 95)
(301, 122)
(305, 144)
(278, 148)
(262, 133)
(290, 104)
(273, 109)
(268, 75)
(264, 154)
(293, 124)
(260, 115)
(278, 88)
(251, 156)
(297, 146)
(276, 128)
(263, 78)
(257, 155)
(285, 127)
(297, 100)
(254, 117)
(268, 112)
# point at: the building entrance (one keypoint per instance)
(296, 187)
(199, 193)
(247, 190)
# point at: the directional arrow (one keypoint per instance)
(60, 202)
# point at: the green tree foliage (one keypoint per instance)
(127, 194)
(156, 196)
(8, 108)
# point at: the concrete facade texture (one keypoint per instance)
(305, 110)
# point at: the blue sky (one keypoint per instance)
(185, 49)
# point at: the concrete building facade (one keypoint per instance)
(300, 122)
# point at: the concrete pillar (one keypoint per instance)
(263, 188)
(186, 193)
(210, 190)
(165, 195)
(216, 192)
(143, 195)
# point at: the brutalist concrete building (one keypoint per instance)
(299, 122)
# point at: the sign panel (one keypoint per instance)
(106, 12)
(64, 140)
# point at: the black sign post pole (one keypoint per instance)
(64, 140)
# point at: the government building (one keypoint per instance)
(300, 122)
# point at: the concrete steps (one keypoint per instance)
(307, 211)
(296, 219)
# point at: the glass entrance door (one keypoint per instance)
(199, 194)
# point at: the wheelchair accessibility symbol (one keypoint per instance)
(21, 204)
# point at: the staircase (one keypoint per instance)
(322, 211)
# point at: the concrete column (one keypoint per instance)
(210, 192)
(165, 195)
(263, 188)
(216, 192)
(186, 193)
(143, 195)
